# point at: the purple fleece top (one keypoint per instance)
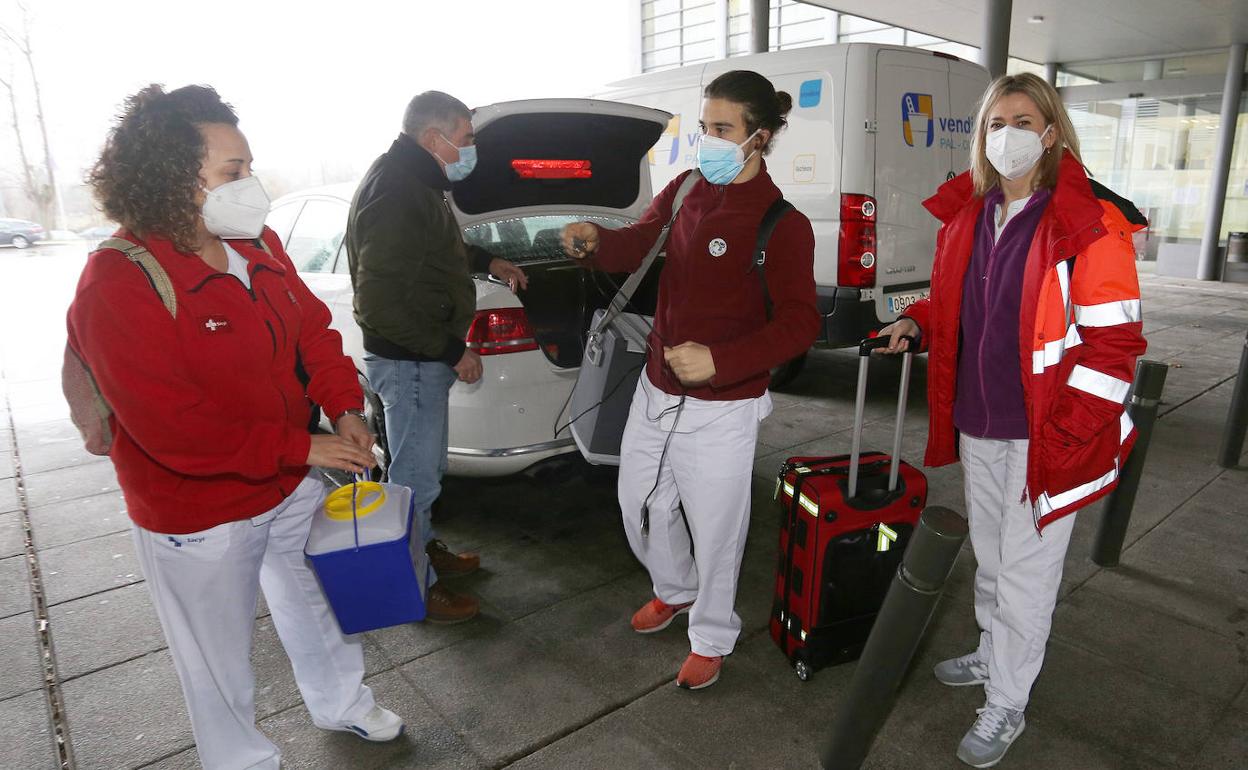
(989, 401)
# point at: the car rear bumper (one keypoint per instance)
(502, 462)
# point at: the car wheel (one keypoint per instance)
(20, 242)
(785, 373)
(375, 416)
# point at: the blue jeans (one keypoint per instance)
(415, 396)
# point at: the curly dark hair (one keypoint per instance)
(148, 173)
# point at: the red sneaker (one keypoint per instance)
(699, 671)
(656, 616)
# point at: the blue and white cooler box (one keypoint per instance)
(374, 572)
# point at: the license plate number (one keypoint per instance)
(897, 303)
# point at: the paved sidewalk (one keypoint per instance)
(1146, 667)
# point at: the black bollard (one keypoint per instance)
(895, 636)
(1150, 379)
(1237, 418)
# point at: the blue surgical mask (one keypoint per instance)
(460, 169)
(721, 161)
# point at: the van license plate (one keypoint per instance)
(897, 303)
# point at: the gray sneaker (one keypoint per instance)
(990, 737)
(963, 671)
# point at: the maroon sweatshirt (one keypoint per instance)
(707, 293)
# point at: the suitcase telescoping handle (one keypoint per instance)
(860, 404)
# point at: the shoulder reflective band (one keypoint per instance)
(886, 537)
(810, 505)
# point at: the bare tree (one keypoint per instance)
(38, 193)
(43, 195)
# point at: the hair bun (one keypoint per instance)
(784, 101)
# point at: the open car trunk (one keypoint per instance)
(542, 164)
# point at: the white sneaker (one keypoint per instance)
(379, 725)
(962, 672)
(991, 736)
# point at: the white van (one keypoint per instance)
(874, 130)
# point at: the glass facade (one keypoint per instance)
(1159, 153)
(679, 32)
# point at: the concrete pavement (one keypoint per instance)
(1146, 667)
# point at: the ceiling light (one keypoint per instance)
(1037, 19)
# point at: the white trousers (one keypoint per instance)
(707, 472)
(204, 588)
(1019, 570)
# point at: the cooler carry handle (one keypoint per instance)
(860, 404)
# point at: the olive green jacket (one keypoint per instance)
(410, 268)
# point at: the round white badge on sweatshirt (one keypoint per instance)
(717, 247)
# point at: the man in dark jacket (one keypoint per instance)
(414, 301)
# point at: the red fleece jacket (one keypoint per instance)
(210, 420)
(715, 299)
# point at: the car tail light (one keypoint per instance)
(552, 169)
(37, 229)
(505, 330)
(856, 263)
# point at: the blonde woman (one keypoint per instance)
(1032, 330)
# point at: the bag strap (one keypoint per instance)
(143, 259)
(771, 218)
(625, 293)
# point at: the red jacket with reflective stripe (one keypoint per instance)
(1079, 335)
(210, 422)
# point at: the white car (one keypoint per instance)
(541, 164)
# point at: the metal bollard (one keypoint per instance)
(895, 636)
(1237, 417)
(1150, 379)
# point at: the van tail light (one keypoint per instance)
(856, 261)
(504, 330)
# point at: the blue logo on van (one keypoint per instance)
(917, 124)
(810, 93)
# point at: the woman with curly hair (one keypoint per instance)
(210, 421)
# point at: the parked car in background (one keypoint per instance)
(97, 234)
(541, 164)
(20, 233)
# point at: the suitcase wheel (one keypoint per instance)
(803, 669)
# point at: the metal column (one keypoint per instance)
(996, 38)
(760, 25)
(1050, 73)
(1209, 267)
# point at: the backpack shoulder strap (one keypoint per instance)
(774, 214)
(625, 293)
(156, 275)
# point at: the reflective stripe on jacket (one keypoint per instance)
(1079, 336)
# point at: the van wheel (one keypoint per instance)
(375, 416)
(785, 373)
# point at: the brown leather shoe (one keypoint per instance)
(449, 564)
(443, 605)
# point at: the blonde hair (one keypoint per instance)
(1054, 114)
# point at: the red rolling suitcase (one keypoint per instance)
(845, 523)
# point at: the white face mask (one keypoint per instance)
(236, 209)
(1014, 151)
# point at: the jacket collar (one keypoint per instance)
(416, 159)
(189, 272)
(759, 187)
(1075, 208)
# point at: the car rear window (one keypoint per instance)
(530, 239)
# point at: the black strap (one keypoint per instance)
(774, 214)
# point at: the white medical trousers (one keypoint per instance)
(204, 588)
(1019, 570)
(707, 472)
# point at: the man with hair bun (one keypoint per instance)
(688, 447)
